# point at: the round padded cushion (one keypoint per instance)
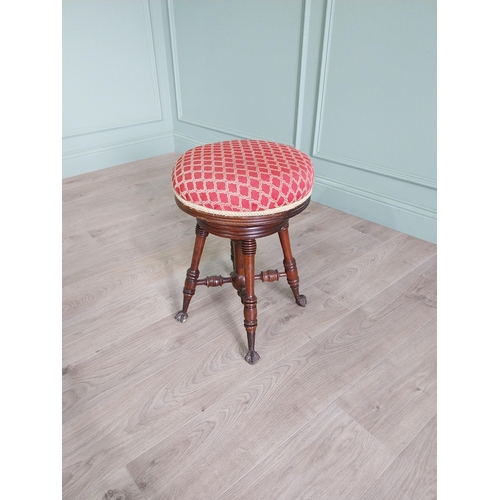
(243, 177)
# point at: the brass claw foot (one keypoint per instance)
(301, 300)
(252, 357)
(181, 316)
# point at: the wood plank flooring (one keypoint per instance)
(342, 404)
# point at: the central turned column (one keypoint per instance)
(238, 274)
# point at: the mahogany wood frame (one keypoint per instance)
(242, 231)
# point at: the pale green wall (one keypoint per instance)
(115, 109)
(350, 82)
(375, 122)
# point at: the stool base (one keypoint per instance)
(242, 231)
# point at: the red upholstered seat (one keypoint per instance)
(244, 177)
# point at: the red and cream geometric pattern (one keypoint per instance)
(244, 177)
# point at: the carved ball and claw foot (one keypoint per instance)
(252, 357)
(181, 316)
(301, 300)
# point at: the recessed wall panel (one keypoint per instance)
(378, 102)
(237, 65)
(109, 72)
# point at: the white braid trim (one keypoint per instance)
(228, 213)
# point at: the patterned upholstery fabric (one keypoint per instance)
(244, 177)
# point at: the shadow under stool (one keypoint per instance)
(242, 190)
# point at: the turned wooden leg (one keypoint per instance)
(292, 273)
(192, 273)
(248, 249)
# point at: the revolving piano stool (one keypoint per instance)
(242, 190)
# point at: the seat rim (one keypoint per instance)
(241, 226)
(240, 214)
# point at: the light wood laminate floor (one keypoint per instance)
(342, 404)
